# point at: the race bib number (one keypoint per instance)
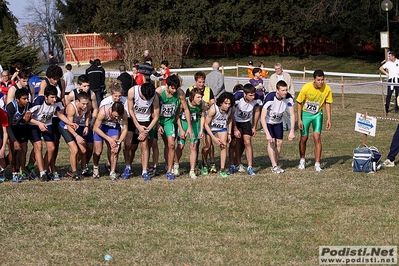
(168, 110)
(193, 116)
(140, 110)
(45, 117)
(110, 124)
(244, 115)
(276, 117)
(312, 107)
(218, 124)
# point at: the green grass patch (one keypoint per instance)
(266, 219)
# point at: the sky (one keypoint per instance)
(17, 7)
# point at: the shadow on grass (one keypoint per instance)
(263, 162)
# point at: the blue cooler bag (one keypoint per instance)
(366, 159)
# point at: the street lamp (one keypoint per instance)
(386, 6)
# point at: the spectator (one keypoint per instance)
(264, 71)
(125, 79)
(139, 78)
(281, 75)
(5, 82)
(147, 70)
(250, 68)
(215, 80)
(69, 79)
(165, 70)
(96, 74)
(51, 59)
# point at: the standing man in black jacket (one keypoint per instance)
(147, 70)
(126, 79)
(96, 74)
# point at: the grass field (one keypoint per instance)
(266, 219)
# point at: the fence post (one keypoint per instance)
(237, 73)
(222, 69)
(304, 74)
(342, 92)
(382, 95)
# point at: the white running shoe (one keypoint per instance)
(388, 163)
(301, 164)
(241, 168)
(317, 167)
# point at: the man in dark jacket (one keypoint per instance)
(147, 70)
(126, 79)
(96, 74)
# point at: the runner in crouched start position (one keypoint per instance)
(143, 104)
(78, 112)
(44, 108)
(197, 108)
(219, 121)
(107, 127)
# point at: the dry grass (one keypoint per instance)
(266, 219)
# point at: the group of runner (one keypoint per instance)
(194, 116)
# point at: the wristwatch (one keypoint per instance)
(118, 143)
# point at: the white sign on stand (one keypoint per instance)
(365, 124)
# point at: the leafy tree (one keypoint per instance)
(11, 49)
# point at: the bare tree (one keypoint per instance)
(161, 47)
(38, 27)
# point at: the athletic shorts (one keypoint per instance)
(276, 130)
(315, 119)
(37, 134)
(245, 128)
(21, 133)
(216, 131)
(136, 132)
(110, 131)
(195, 126)
(153, 134)
(56, 121)
(89, 137)
(66, 134)
(169, 128)
(130, 125)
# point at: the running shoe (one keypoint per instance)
(276, 170)
(56, 176)
(96, 173)
(232, 170)
(317, 167)
(169, 176)
(213, 168)
(126, 173)
(204, 170)
(301, 164)
(86, 172)
(388, 163)
(15, 178)
(112, 176)
(193, 175)
(251, 171)
(155, 171)
(146, 177)
(223, 174)
(176, 171)
(241, 168)
(23, 176)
